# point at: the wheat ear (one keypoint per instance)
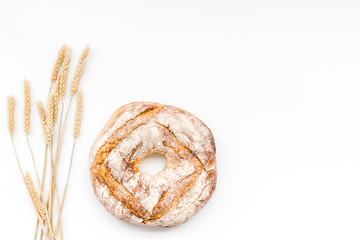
(79, 71)
(49, 130)
(64, 73)
(42, 115)
(56, 99)
(57, 64)
(39, 208)
(11, 114)
(34, 195)
(51, 114)
(78, 114)
(27, 106)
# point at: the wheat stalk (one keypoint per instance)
(27, 108)
(44, 208)
(73, 89)
(76, 131)
(11, 126)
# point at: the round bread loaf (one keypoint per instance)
(176, 193)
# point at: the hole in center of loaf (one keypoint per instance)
(153, 163)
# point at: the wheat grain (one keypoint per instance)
(64, 73)
(78, 114)
(57, 64)
(79, 71)
(27, 106)
(11, 114)
(34, 195)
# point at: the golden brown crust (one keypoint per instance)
(183, 147)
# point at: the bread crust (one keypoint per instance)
(170, 197)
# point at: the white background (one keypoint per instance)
(277, 82)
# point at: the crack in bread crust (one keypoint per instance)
(172, 195)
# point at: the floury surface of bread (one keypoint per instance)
(170, 197)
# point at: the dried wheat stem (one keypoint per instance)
(44, 168)
(51, 187)
(59, 215)
(34, 164)
(22, 174)
(73, 90)
(62, 89)
(42, 116)
(57, 156)
(55, 106)
(51, 116)
(42, 187)
(27, 106)
(16, 156)
(77, 124)
(53, 191)
(57, 64)
(68, 174)
(79, 71)
(66, 185)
